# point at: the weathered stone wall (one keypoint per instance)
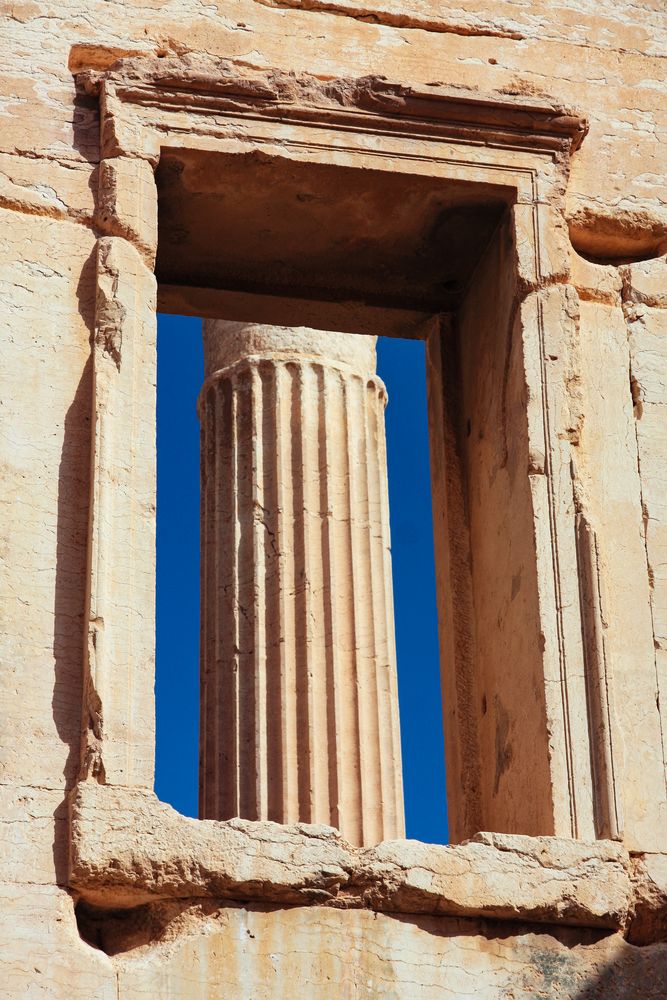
(618, 346)
(605, 57)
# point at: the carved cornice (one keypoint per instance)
(205, 85)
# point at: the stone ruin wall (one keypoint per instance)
(257, 911)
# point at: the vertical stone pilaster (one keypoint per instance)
(118, 739)
(299, 715)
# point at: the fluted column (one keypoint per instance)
(299, 711)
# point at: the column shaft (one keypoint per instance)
(299, 715)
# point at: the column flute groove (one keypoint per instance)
(327, 502)
(229, 721)
(353, 803)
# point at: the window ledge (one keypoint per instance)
(128, 849)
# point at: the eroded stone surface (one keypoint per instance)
(250, 953)
(129, 848)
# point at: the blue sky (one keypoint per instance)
(401, 366)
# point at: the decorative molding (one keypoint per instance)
(371, 103)
(607, 808)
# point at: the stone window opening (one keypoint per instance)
(348, 771)
(355, 515)
(442, 247)
(330, 750)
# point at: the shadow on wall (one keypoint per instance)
(70, 585)
(504, 958)
(614, 970)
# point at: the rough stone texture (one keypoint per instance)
(649, 921)
(166, 906)
(544, 879)
(645, 309)
(604, 57)
(250, 953)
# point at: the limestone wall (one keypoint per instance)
(608, 58)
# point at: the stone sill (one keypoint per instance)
(129, 849)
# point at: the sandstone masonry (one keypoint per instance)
(502, 167)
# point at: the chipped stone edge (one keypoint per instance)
(186, 78)
(129, 849)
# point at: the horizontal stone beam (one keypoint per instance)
(287, 310)
(128, 848)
